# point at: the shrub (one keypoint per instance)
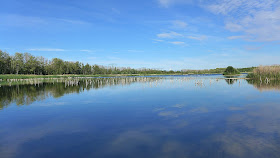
(231, 71)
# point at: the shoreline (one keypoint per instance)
(13, 76)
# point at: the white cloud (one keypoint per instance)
(169, 35)
(114, 10)
(200, 38)
(240, 7)
(236, 37)
(177, 43)
(167, 3)
(86, 50)
(20, 20)
(135, 51)
(179, 24)
(46, 49)
(158, 40)
(259, 20)
(252, 48)
(233, 27)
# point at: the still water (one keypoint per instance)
(135, 117)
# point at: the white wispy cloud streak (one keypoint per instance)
(135, 51)
(199, 38)
(179, 24)
(169, 35)
(58, 50)
(259, 20)
(168, 3)
(86, 50)
(21, 20)
(177, 43)
(236, 37)
(46, 49)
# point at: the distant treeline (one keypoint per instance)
(217, 71)
(25, 63)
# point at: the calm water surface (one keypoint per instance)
(151, 117)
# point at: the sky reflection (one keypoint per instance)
(127, 120)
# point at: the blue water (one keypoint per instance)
(164, 116)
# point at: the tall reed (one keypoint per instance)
(263, 72)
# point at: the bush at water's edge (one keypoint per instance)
(231, 71)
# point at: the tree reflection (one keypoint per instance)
(29, 91)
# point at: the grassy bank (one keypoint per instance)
(5, 77)
(12, 76)
(8, 76)
(266, 72)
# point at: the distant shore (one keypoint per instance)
(12, 76)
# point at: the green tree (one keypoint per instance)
(58, 66)
(87, 69)
(31, 64)
(5, 63)
(18, 63)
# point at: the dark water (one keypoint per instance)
(157, 117)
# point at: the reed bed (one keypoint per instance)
(265, 73)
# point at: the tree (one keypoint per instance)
(96, 70)
(77, 68)
(42, 62)
(5, 63)
(18, 63)
(58, 66)
(31, 64)
(87, 69)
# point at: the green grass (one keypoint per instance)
(5, 77)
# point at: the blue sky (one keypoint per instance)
(162, 34)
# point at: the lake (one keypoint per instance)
(193, 116)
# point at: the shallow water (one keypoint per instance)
(164, 116)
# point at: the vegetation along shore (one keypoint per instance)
(25, 65)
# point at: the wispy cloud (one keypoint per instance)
(179, 24)
(253, 48)
(114, 10)
(27, 21)
(80, 22)
(258, 20)
(46, 49)
(233, 27)
(236, 37)
(178, 43)
(168, 3)
(169, 35)
(135, 51)
(200, 38)
(158, 40)
(86, 50)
